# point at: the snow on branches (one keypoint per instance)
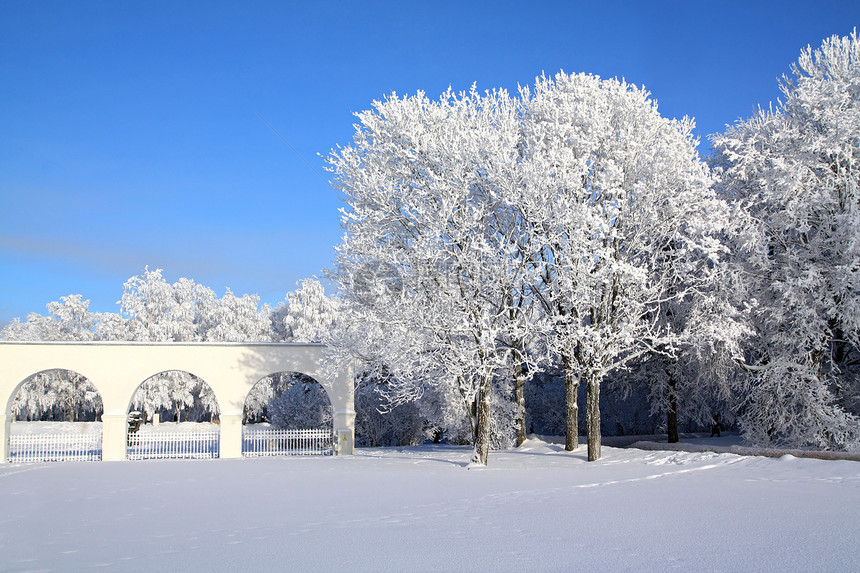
(480, 223)
(431, 259)
(796, 171)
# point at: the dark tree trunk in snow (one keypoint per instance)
(571, 390)
(520, 397)
(471, 408)
(672, 410)
(482, 433)
(592, 417)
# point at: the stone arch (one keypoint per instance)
(299, 417)
(66, 428)
(254, 410)
(291, 381)
(171, 401)
(172, 395)
(13, 389)
(98, 406)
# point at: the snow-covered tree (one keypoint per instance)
(310, 315)
(155, 310)
(158, 311)
(68, 319)
(304, 405)
(61, 395)
(424, 256)
(691, 382)
(179, 394)
(466, 211)
(795, 168)
(261, 393)
(233, 319)
(623, 222)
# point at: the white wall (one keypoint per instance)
(116, 369)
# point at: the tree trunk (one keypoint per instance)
(471, 408)
(482, 434)
(520, 397)
(672, 409)
(73, 406)
(592, 416)
(571, 390)
(473, 419)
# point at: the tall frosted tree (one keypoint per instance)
(621, 211)
(232, 318)
(69, 318)
(465, 212)
(158, 311)
(310, 315)
(795, 168)
(423, 256)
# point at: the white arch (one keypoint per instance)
(154, 377)
(14, 391)
(116, 369)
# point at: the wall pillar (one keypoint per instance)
(5, 434)
(114, 437)
(344, 431)
(231, 436)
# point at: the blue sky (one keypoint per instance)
(131, 133)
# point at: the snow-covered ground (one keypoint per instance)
(56, 427)
(537, 508)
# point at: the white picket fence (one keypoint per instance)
(154, 445)
(269, 442)
(200, 444)
(30, 448)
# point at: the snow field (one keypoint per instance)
(536, 508)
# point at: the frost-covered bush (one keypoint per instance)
(503, 425)
(446, 415)
(789, 410)
(375, 425)
(304, 405)
(257, 400)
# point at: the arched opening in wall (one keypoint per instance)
(287, 413)
(56, 416)
(173, 414)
